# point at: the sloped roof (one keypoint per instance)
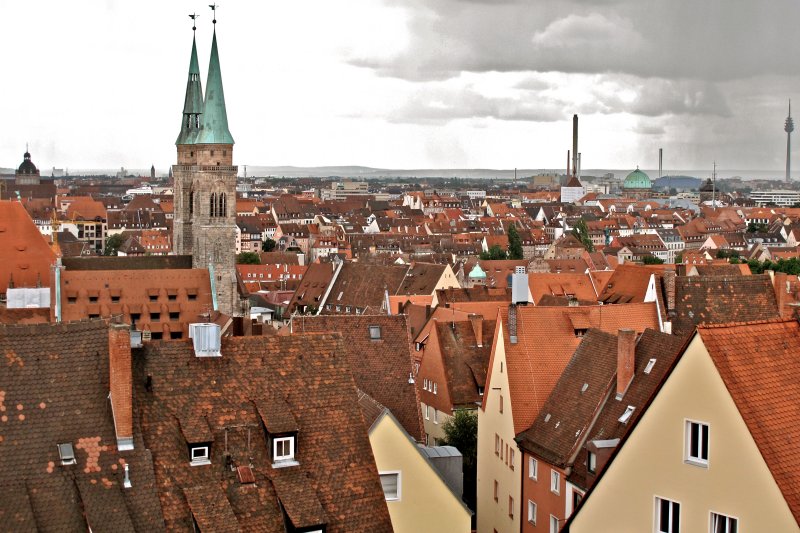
(380, 367)
(579, 285)
(547, 341)
(365, 286)
(26, 255)
(336, 470)
(465, 363)
(53, 370)
(758, 363)
(720, 299)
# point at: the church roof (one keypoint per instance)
(27, 166)
(214, 129)
(193, 104)
(637, 180)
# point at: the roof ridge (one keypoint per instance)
(750, 323)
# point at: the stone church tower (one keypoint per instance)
(205, 184)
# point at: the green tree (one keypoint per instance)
(753, 227)
(461, 431)
(268, 245)
(514, 243)
(652, 260)
(495, 252)
(113, 243)
(248, 258)
(581, 232)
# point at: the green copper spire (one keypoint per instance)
(193, 104)
(214, 129)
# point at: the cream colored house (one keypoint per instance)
(418, 497)
(717, 448)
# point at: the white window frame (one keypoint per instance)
(399, 475)
(555, 519)
(197, 460)
(532, 512)
(591, 462)
(657, 514)
(533, 468)
(727, 518)
(374, 332)
(427, 412)
(687, 454)
(555, 482)
(435, 388)
(277, 458)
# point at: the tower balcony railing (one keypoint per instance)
(206, 168)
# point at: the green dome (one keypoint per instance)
(477, 272)
(637, 180)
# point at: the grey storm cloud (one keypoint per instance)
(714, 40)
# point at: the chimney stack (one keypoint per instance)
(669, 289)
(781, 287)
(574, 145)
(626, 350)
(121, 383)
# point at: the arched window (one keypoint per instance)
(213, 211)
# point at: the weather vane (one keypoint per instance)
(214, 9)
(194, 17)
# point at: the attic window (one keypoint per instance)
(627, 414)
(199, 455)
(650, 364)
(585, 387)
(282, 449)
(66, 453)
(375, 333)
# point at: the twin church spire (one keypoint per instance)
(205, 120)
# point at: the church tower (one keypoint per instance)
(205, 183)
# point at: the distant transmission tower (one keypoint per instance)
(788, 127)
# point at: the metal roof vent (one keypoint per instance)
(206, 339)
(66, 453)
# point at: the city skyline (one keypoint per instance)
(399, 84)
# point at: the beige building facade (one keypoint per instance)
(660, 479)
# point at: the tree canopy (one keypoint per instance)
(248, 258)
(581, 232)
(514, 243)
(495, 252)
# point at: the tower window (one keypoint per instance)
(212, 153)
(213, 205)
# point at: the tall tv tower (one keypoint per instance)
(788, 127)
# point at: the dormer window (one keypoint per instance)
(200, 454)
(374, 333)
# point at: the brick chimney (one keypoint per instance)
(779, 284)
(477, 328)
(121, 383)
(626, 349)
(669, 289)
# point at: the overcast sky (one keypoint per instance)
(406, 83)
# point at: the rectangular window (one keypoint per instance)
(555, 482)
(510, 507)
(174, 316)
(496, 490)
(511, 458)
(135, 316)
(697, 443)
(532, 512)
(283, 449)
(155, 317)
(668, 516)
(435, 416)
(533, 468)
(497, 444)
(427, 412)
(199, 455)
(591, 462)
(374, 332)
(390, 481)
(553, 524)
(501, 403)
(435, 388)
(723, 524)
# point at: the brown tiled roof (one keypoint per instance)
(211, 509)
(312, 287)
(381, 368)
(578, 285)
(627, 284)
(720, 299)
(54, 389)
(547, 341)
(311, 372)
(465, 363)
(364, 286)
(150, 262)
(421, 278)
(758, 363)
(479, 293)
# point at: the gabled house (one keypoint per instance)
(714, 449)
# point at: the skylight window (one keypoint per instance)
(627, 414)
(374, 332)
(66, 453)
(650, 364)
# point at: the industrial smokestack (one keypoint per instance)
(575, 145)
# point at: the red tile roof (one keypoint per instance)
(26, 255)
(759, 364)
(546, 341)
